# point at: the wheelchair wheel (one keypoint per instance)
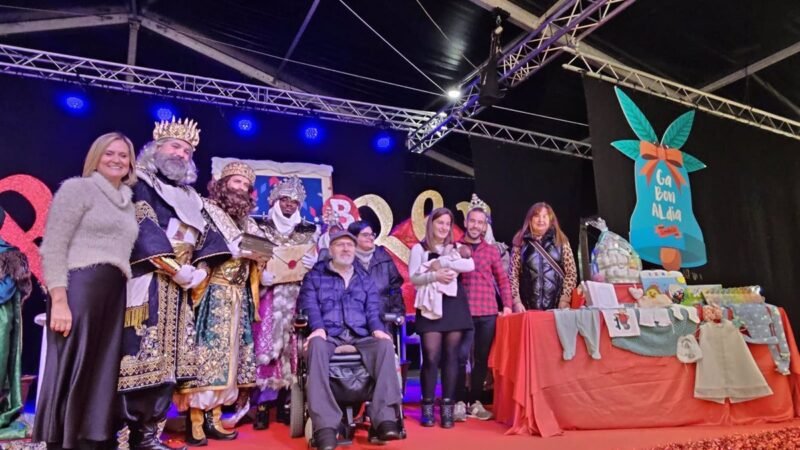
(297, 411)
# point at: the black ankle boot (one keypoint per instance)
(212, 426)
(427, 413)
(446, 413)
(262, 417)
(147, 437)
(282, 407)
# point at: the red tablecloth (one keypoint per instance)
(537, 392)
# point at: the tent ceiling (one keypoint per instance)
(694, 43)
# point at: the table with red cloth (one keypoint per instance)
(537, 392)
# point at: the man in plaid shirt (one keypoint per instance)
(482, 286)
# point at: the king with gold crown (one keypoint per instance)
(174, 252)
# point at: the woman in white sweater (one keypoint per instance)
(440, 337)
(90, 232)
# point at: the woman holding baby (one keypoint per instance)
(442, 310)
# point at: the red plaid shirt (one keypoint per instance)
(480, 283)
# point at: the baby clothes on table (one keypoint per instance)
(690, 310)
(621, 322)
(570, 322)
(650, 317)
(764, 326)
(727, 369)
(658, 341)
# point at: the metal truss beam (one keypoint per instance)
(528, 21)
(108, 75)
(568, 21)
(171, 33)
(712, 104)
(753, 68)
(33, 26)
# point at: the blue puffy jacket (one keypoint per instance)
(326, 302)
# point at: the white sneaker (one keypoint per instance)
(479, 412)
(460, 412)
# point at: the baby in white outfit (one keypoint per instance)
(429, 298)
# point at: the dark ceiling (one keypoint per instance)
(691, 42)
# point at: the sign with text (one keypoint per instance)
(663, 228)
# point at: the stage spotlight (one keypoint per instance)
(244, 125)
(490, 92)
(164, 114)
(75, 104)
(383, 142)
(454, 94)
(312, 133)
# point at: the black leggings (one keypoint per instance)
(435, 343)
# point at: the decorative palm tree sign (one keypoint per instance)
(663, 227)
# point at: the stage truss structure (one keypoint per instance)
(109, 75)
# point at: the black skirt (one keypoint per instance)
(78, 399)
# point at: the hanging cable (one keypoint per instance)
(314, 66)
(443, 34)
(392, 46)
(542, 116)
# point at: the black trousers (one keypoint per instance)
(378, 358)
(481, 338)
(143, 406)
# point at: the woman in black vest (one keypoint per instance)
(543, 272)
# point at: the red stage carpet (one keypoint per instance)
(475, 434)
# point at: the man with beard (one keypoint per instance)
(343, 308)
(284, 227)
(172, 253)
(481, 286)
(225, 309)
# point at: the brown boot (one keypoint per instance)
(195, 437)
(213, 428)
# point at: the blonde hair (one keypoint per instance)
(100, 145)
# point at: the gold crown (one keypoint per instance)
(185, 131)
(476, 203)
(239, 168)
(291, 187)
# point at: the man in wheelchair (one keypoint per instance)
(343, 307)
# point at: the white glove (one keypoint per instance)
(309, 259)
(267, 278)
(184, 275)
(233, 247)
(197, 277)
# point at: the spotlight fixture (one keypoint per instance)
(489, 91)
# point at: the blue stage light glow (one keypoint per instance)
(383, 142)
(312, 132)
(244, 125)
(74, 103)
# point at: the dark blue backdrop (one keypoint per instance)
(39, 138)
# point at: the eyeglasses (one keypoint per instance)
(367, 235)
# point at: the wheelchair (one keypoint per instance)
(351, 384)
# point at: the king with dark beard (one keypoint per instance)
(225, 309)
(173, 253)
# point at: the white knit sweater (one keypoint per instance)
(90, 222)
